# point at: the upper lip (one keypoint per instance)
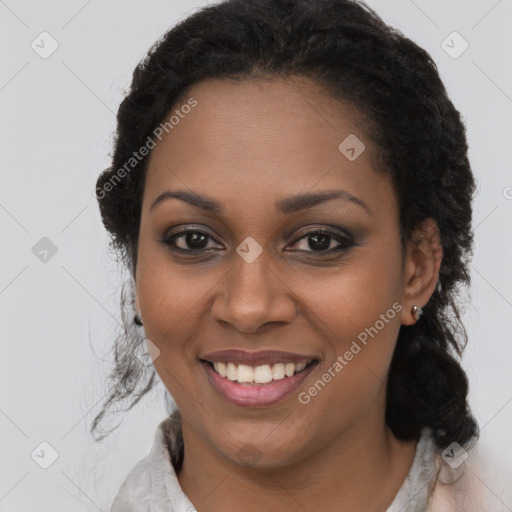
(256, 358)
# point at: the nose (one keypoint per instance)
(253, 296)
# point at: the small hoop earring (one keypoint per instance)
(138, 318)
(416, 312)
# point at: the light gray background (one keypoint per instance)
(58, 319)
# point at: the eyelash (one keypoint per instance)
(346, 242)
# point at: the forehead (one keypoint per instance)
(262, 136)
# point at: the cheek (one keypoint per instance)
(361, 332)
(361, 327)
(352, 297)
(169, 298)
(167, 290)
(356, 309)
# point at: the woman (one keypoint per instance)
(291, 192)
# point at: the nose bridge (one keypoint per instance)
(251, 277)
(253, 295)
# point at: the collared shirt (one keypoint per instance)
(436, 482)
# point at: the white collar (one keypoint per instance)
(152, 484)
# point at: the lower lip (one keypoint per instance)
(255, 395)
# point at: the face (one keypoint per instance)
(258, 274)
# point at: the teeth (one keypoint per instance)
(289, 369)
(299, 367)
(222, 369)
(257, 374)
(278, 371)
(231, 371)
(262, 374)
(245, 373)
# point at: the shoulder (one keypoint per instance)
(133, 495)
(474, 483)
(152, 481)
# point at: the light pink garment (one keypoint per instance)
(475, 486)
(432, 485)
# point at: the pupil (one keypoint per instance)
(323, 244)
(194, 240)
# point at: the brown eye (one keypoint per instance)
(321, 240)
(190, 240)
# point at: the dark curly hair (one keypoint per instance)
(346, 48)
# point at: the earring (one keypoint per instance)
(138, 318)
(416, 312)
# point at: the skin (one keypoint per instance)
(247, 145)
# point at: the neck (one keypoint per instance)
(359, 470)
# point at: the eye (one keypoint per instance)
(320, 240)
(188, 240)
(197, 241)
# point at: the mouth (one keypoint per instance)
(263, 383)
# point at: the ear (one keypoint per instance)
(421, 268)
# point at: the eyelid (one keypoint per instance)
(327, 229)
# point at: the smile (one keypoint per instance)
(272, 376)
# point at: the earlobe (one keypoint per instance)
(137, 310)
(138, 317)
(421, 269)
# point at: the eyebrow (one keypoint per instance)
(285, 206)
